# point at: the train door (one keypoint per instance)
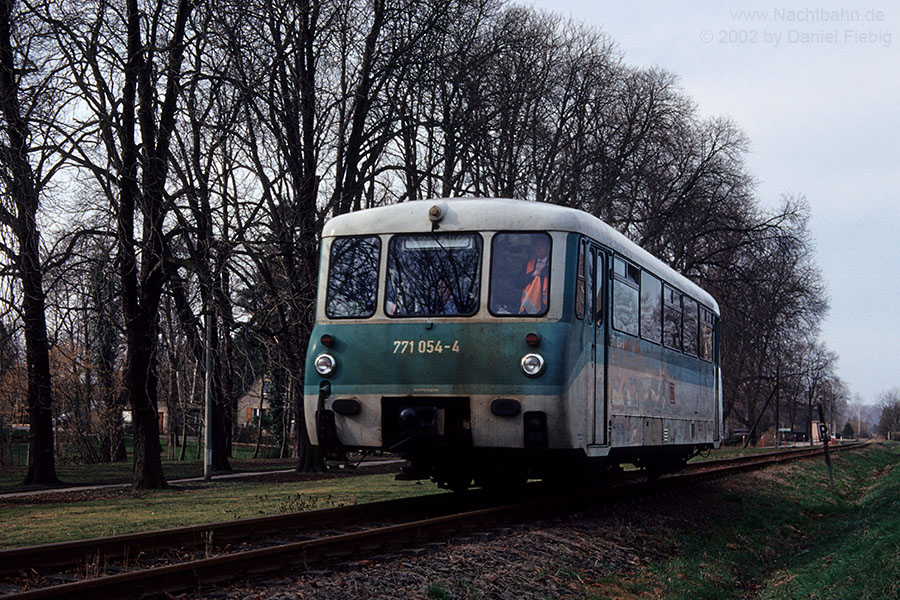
(586, 268)
(591, 263)
(600, 353)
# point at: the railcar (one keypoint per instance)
(492, 340)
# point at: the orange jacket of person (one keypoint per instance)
(534, 296)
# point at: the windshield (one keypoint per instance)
(433, 275)
(353, 277)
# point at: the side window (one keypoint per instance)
(707, 327)
(520, 274)
(690, 326)
(625, 296)
(651, 308)
(352, 277)
(598, 295)
(672, 318)
(579, 283)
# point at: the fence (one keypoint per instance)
(13, 452)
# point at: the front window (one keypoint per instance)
(520, 274)
(353, 277)
(433, 275)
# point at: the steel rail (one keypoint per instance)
(778, 456)
(743, 464)
(310, 552)
(73, 552)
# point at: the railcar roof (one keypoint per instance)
(489, 214)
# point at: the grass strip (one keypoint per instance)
(782, 535)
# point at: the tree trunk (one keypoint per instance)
(41, 462)
(141, 386)
(226, 361)
(184, 420)
(186, 402)
(113, 444)
(220, 422)
(259, 417)
(171, 408)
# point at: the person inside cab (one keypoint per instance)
(537, 278)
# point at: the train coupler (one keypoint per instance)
(326, 428)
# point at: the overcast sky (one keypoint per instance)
(816, 87)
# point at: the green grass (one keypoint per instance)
(108, 473)
(855, 553)
(788, 537)
(122, 512)
(74, 474)
(736, 451)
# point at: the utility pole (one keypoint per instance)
(777, 406)
(833, 410)
(207, 397)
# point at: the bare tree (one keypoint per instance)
(142, 288)
(889, 422)
(282, 109)
(132, 92)
(209, 211)
(322, 108)
(105, 333)
(27, 94)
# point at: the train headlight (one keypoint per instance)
(325, 364)
(533, 364)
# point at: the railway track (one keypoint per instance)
(145, 564)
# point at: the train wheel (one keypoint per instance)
(657, 467)
(654, 472)
(506, 482)
(457, 482)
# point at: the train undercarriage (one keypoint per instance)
(438, 445)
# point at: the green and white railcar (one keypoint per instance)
(441, 335)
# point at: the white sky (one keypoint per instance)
(815, 85)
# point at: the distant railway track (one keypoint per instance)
(172, 560)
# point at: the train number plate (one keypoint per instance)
(425, 346)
